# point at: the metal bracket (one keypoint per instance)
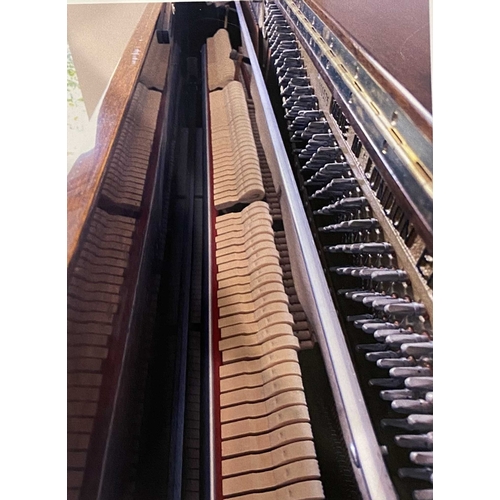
(404, 149)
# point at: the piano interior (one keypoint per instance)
(250, 261)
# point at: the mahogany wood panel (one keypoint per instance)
(396, 34)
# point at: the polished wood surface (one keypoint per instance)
(85, 177)
(395, 34)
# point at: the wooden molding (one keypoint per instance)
(85, 177)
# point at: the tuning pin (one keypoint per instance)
(291, 73)
(422, 457)
(372, 348)
(398, 423)
(379, 355)
(344, 270)
(421, 422)
(396, 363)
(294, 111)
(417, 350)
(314, 113)
(360, 296)
(407, 309)
(362, 248)
(393, 275)
(410, 371)
(382, 334)
(420, 383)
(318, 157)
(411, 406)
(351, 225)
(423, 473)
(285, 44)
(307, 101)
(367, 272)
(357, 317)
(289, 63)
(392, 395)
(368, 321)
(415, 441)
(294, 87)
(381, 303)
(417, 423)
(285, 53)
(391, 383)
(321, 135)
(338, 187)
(397, 340)
(378, 326)
(345, 204)
(323, 155)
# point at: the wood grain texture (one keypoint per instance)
(85, 177)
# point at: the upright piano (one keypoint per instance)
(250, 258)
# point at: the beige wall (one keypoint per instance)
(97, 36)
